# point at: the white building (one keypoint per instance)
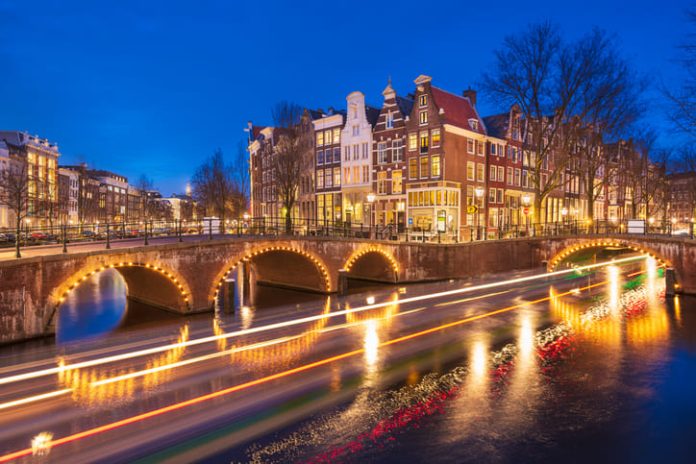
(356, 164)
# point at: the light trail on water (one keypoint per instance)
(279, 325)
(283, 374)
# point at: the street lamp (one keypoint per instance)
(478, 191)
(564, 213)
(370, 200)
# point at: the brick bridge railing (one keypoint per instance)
(187, 277)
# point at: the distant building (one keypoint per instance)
(68, 196)
(182, 207)
(41, 158)
(5, 219)
(682, 187)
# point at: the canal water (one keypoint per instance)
(605, 377)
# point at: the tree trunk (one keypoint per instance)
(18, 231)
(288, 221)
(590, 208)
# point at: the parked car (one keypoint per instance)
(88, 234)
(38, 236)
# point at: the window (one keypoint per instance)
(337, 155)
(479, 148)
(346, 175)
(382, 152)
(517, 177)
(492, 149)
(396, 181)
(423, 167)
(346, 153)
(397, 150)
(413, 168)
(501, 174)
(423, 100)
(424, 142)
(365, 155)
(382, 182)
(470, 146)
(320, 157)
(337, 135)
(356, 151)
(491, 195)
(473, 123)
(356, 130)
(435, 166)
(356, 174)
(328, 137)
(366, 174)
(390, 120)
(435, 137)
(470, 168)
(480, 172)
(500, 195)
(492, 172)
(423, 117)
(412, 141)
(337, 176)
(328, 177)
(320, 178)
(320, 139)
(525, 179)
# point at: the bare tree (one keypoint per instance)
(556, 86)
(609, 103)
(14, 193)
(292, 155)
(240, 178)
(686, 163)
(145, 186)
(214, 187)
(683, 99)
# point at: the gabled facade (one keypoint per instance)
(327, 166)
(356, 164)
(389, 161)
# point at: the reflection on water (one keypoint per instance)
(567, 392)
(94, 308)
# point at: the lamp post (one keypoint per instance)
(370, 200)
(478, 191)
(525, 201)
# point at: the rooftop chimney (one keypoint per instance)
(471, 95)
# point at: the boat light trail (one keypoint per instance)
(279, 375)
(279, 325)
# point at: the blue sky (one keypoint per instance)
(154, 87)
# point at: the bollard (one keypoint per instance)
(108, 237)
(65, 239)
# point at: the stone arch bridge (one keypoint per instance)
(186, 277)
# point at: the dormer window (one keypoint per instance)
(473, 123)
(423, 100)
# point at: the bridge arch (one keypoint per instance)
(149, 283)
(301, 259)
(580, 245)
(372, 262)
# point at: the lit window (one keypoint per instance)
(412, 141)
(320, 178)
(435, 137)
(423, 100)
(423, 117)
(424, 141)
(320, 139)
(435, 166)
(470, 168)
(491, 195)
(328, 137)
(413, 168)
(337, 135)
(396, 181)
(328, 177)
(492, 173)
(480, 172)
(501, 174)
(337, 176)
(382, 182)
(424, 167)
(470, 146)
